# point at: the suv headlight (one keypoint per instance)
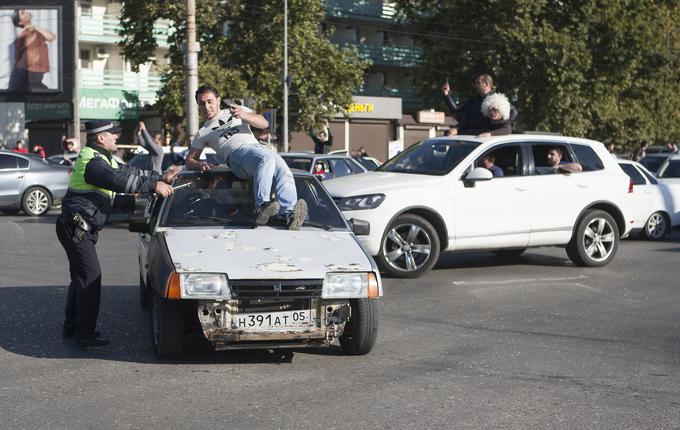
(204, 285)
(370, 201)
(353, 285)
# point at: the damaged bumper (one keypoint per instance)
(240, 324)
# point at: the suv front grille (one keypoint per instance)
(276, 289)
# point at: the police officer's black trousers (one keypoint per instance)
(84, 292)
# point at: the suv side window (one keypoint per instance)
(631, 171)
(508, 158)
(587, 158)
(339, 168)
(23, 163)
(540, 154)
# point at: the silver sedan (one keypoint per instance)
(29, 183)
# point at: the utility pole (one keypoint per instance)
(191, 70)
(285, 76)
(75, 131)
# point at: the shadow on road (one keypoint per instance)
(31, 319)
(459, 260)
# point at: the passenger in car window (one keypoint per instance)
(556, 164)
(487, 162)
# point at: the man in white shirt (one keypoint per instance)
(228, 133)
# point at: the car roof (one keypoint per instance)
(533, 137)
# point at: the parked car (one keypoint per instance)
(204, 264)
(29, 183)
(59, 159)
(334, 166)
(370, 163)
(653, 161)
(433, 197)
(655, 207)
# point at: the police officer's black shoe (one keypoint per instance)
(91, 342)
(266, 211)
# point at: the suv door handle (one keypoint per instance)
(521, 188)
(582, 185)
(20, 176)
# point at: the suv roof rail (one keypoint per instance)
(549, 133)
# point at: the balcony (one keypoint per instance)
(104, 29)
(386, 55)
(145, 85)
(361, 9)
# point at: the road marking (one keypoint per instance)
(519, 281)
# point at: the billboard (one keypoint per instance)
(30, 49)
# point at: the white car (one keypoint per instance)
(669, 171)
(656, 205)
(433, 197)
(204, 264)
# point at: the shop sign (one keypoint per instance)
(109, 104)
(375, 107)
(48, 111)
(430, 117)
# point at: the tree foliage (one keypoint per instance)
(603, 69)
(242, 54)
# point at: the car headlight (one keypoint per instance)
(370, 201)
(204, 285)
(353, 285)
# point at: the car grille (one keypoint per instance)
(276, 289)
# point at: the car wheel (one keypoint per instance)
(655, 227)
(167, 326)
(409, 247)
(595, 240)
(516, 252)
(10, 211)
(361, 331)
(143, 293)
(36, 201)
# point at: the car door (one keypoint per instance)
(151, 213)
(645, 195)
(11, 180)
(495, 213)
(557, 197)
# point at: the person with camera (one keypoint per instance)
(95, 179)
(227, 131)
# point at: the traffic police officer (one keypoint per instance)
(95, 178)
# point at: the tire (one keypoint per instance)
(508, 253)
(361, 331)
(36, 201)
(595, 240)
(656, 226)
(167, 327)
(409, 247)
(10, 211)
(144, 300)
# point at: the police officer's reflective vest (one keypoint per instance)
(77, 182)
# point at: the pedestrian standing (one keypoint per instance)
(324, 140)
(95, 178)
(153, 146)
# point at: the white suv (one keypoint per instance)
(434, 197)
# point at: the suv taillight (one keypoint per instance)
(630, 185)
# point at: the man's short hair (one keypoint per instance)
(557, 149)
(204, 89)
(490, 157)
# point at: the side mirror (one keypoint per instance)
(139, 225)
(360, 227)
(477, 174)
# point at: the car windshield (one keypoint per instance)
(670, 170)
(367, 163)
(222, 198)
(143, 161)
(652, 163)
(430, 157)
(302, 163)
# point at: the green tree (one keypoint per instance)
(242, 54)
(603, 69)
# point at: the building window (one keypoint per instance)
(86, 7)
(85, 59)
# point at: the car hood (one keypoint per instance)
(378, 182)
(265, 252)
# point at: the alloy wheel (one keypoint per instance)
(37, 202)
(656, 226)
(599, 239)
(407, 247)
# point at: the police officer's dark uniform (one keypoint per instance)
(95, 178)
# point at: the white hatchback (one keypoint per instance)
(433, 197)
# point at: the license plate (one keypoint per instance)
(272, 320)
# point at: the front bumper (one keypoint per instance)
(217, 318)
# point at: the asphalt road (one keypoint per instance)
(480, 342)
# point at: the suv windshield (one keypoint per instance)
(222, 198)
(430, 157)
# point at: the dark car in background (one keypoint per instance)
(31, 184)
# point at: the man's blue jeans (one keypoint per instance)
(269, 173)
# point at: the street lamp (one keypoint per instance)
(285, 76)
